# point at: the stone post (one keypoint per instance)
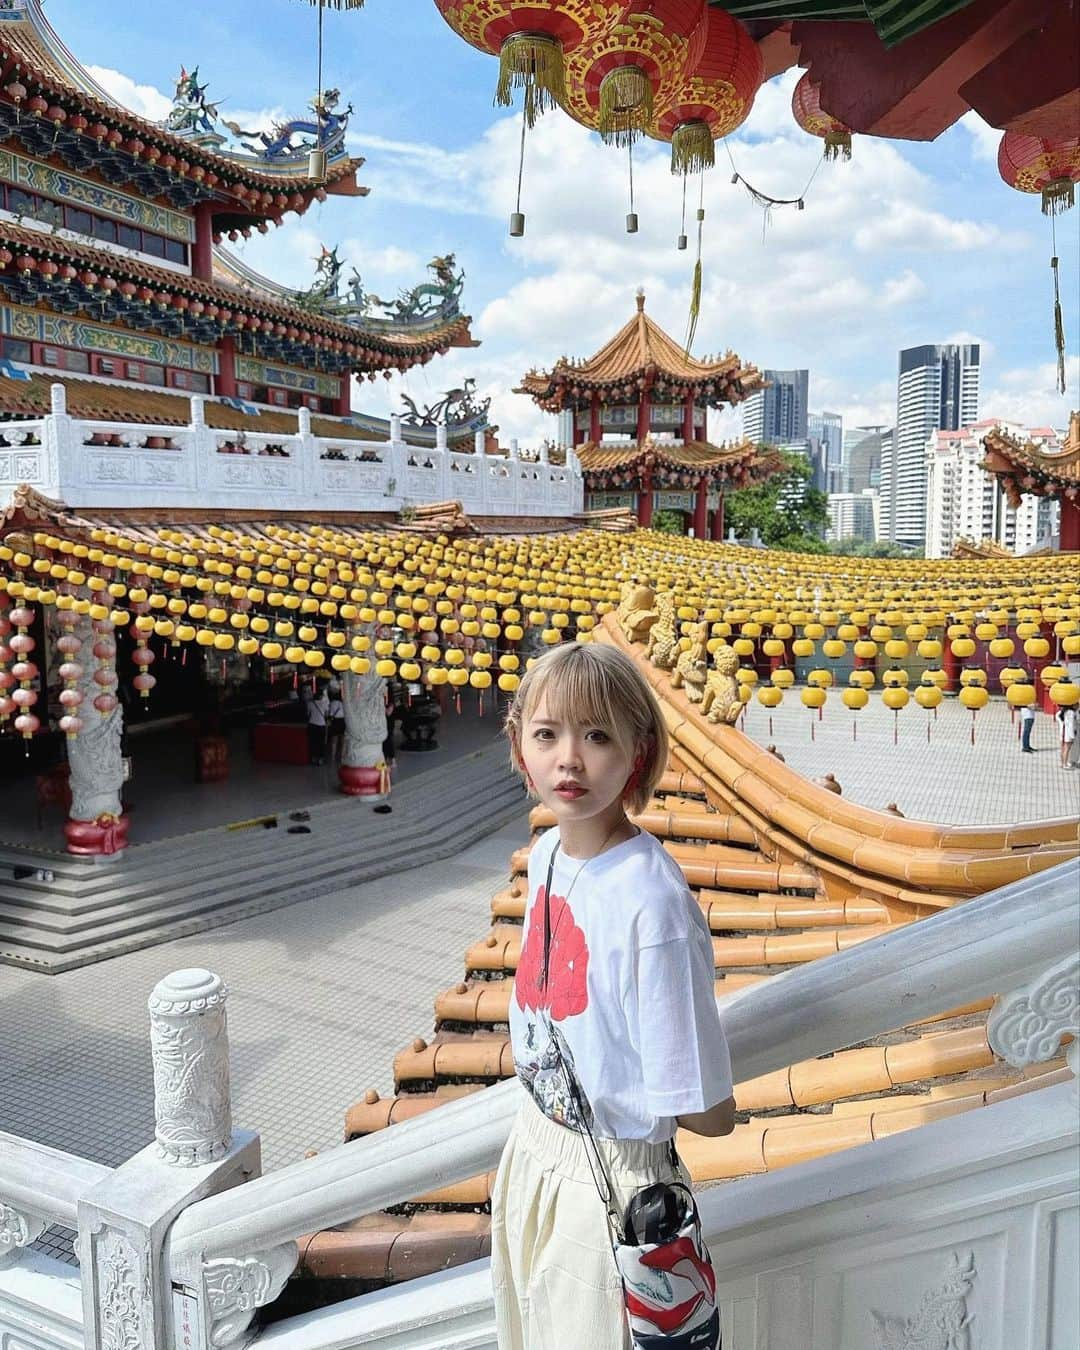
(97, 825)
(189, 1044)
(440, 437)
(62, 466)
(131, 1298)
(395, 427)
(198, 411)
(363, 771)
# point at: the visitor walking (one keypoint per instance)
(336, 723)
(318, 708)
(1068, 718)
(1027, 725)
(614, 1031)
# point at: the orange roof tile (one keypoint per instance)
(642, 350)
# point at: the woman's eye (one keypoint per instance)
(600, 736)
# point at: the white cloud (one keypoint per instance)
(908, 226)
(142, 99)
(1028, 394)
(902, 290)
(985, 139)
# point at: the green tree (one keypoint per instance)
(668, 522)
(880, 548)
(789, 514)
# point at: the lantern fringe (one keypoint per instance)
(532, 62)
(692, 148)
(338, 4)
(1057, 197)
(838, 145)
(626, 105)
(1059, 329)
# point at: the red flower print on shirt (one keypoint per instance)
(566, 994)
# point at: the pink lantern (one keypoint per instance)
(22, 643)
(71, 671)
(27, 723)
(104, 649)
(104, 676)
(24, 671)
(69, 644)
(7, 707)
(24, 698)
(105, 703)
(71, 725)
(70, 698)
(144, 683)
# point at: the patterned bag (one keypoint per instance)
(669, 1286)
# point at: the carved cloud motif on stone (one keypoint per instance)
(1027, 1026)
(18, 1229)
(236, 1287)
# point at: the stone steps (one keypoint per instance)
(167, 895)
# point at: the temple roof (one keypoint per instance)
(736, 465)
(412, 340)
(1028, 467)
(30, 50)
(641, 351)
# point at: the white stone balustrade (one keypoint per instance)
(183, 1256)
(126, 464)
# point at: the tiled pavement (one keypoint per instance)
(322, 996)
(945, 779)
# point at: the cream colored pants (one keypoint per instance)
(553, 1272)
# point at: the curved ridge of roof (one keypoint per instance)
(641, 349)
(1063, 463)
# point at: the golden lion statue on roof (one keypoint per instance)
(720, 701)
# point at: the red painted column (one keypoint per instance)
(644, 501)
(596, 429)
(225, 382)
(344, 403)
(718, 519)
(1070, 525)
(643, 411)
(688, 418)
(952, 665)
(202, 251)
(701, 508)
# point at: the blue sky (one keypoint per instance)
(909, 243)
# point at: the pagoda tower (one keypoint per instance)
(639, 424)
(1029, 468)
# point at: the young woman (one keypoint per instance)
(627, 998)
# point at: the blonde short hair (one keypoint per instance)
(592, 684)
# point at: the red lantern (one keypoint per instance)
(98, 131)
(56, 115)
(128, 289)
(809, 114)
(615, 81)
(78, 123)
(152, 154)
(717, 96)
(531, 41)
(89, 279)
(15, 91)
(114, 136)
(37, 105)
(1049, 167)
(68, 273)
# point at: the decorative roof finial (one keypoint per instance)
(640, 299)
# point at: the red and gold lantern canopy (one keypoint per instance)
(1049, 167)
(715, 98)
(812, 117)
(531, 41)
(615, 81)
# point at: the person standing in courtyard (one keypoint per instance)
(1027, 726)
(1068, 717)
(335, 722)
(318, 708)
(615, 1035)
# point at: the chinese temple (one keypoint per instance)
(110, 259)
(638, 409)
(1027, 468)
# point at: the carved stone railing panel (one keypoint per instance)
(1029, 1024)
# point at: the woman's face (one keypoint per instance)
(578, 771)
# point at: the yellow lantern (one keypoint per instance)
(1036, 648)
(386, 668)
(340, 661)
(774, 647)
(1065, 694)
(1021, 695)
(962, 647)
(974, 696)
(508, 682)
(928, 696)
(819, 679)
(930, 649)
(895, 697)
(865, 650)
(855, 698)
(746, 675)
(802, 647)
(986, 632)
(861, 679)
(438, 675)
(1051, 674)
(895, 679)
(551, 636)
(769, 696)
(782, 677)
(834, 648)
(1002, 648)
(896, 649)
(971, 677)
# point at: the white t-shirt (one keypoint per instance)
(630, 993)
(317, 709)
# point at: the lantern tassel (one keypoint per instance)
(532, 62)
(626, 105)
(895, 728)
(695, 285)
(837, 145)
(1059, 328)
(1058, 196)
(692, 148)
(973, 726)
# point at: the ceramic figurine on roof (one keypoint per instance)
(192, 115)
(457, 409)
(1028, 468)
(294, 140)
(431, 299)
(643, 388)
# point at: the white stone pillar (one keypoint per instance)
(62, 468)
(198, 411)
(440, 437)
(363, 772)
(189, 1044)
(480, 443)
(96, 824)
(395, 427)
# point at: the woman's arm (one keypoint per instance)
(718, 1119)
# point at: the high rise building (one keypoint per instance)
(776, 415)
(963, 501)
(828, 429)
(852, 515)
(863, 450)
(937, 390)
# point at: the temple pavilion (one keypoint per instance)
(638, 412)
(1028, 468)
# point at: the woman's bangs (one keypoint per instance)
(574, 691)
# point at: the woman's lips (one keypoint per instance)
(570, 793)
